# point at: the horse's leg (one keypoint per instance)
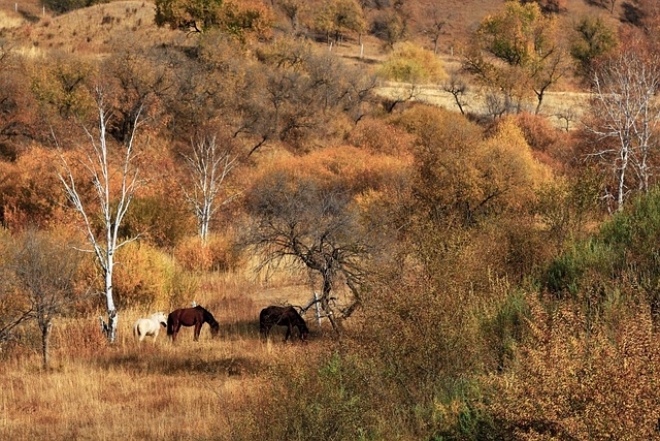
(175, 330)
(289, 331)
(198, 330)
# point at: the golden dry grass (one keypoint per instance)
(153, 390)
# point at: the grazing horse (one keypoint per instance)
(149, 326)
(196, 317)
(282, 316)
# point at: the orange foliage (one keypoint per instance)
(217, 255)
(359, 169)
(378, 136)
(30, 192)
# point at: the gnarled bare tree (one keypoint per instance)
(312, 224)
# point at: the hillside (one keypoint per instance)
(92, 29)
(95, 30)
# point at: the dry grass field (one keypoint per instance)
(153, 390)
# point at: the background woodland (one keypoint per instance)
(469, 187)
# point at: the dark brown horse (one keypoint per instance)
(196, 317)
(282, 316)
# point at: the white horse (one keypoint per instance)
(149, 326)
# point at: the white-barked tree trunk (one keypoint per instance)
(113, 201)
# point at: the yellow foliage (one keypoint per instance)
(143, 276)
(218, 254)
(411, 63)
(381, 137)
(509, 162)
(581, 378)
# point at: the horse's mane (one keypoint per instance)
(296, 317)
(208, 316)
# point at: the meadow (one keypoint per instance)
(156, 389)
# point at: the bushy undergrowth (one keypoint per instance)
(146, 276)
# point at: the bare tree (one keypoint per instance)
(434, 24)
(312, 224)
(13, 308)
(458, 88)
(625, 110)
(546, 73)
(45, 271)
(208, 165)
(113, 202)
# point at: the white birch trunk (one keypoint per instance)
(98, 168)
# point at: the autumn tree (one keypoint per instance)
(207, 89)
(412, 64)
(297, 96)
(390, 27)
(17, 109)
(592, 39)
(434, 22)
(196, 15)
(336, 17)
(292, 9)
(462, 176)
(139, 81)
(59, 85)
(456, 85)
(113, 173)
(45, 271)
(313, 223)
(13, 306)
(235, 18)
(516, 51)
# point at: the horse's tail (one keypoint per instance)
(170, 325)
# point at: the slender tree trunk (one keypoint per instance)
(45, 342)
(325, 303)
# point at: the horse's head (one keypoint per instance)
(304, 331)
(160, 317)
(215, 328)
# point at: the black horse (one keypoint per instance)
(282, 316)
(196, 317)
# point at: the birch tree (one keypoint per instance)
(208, 165)
(113, 196)
(626, 111)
